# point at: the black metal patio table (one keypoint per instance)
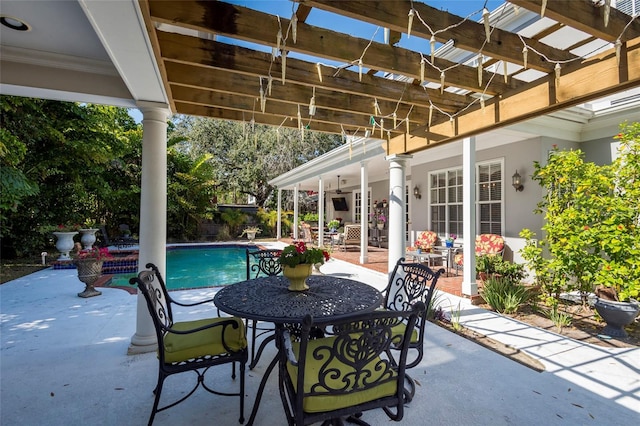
(268, 299)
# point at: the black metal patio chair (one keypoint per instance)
(261, 263)
(348, 371)
(411, 282)
(195, 345)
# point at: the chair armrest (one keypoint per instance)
(192, 304)
(226, 322)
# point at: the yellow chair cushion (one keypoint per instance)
(322, 403)
(399, 330)
(182, 347)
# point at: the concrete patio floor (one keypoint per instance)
(63, 361)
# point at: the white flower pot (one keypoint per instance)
(88, 237)
(64, 244)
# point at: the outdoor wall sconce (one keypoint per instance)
(516, 181)
(416, 192)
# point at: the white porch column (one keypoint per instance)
(364, 213)
(296, 196)
(153, 215)
(396, 224)
(320, 211)
(469, 285)
(279, 223)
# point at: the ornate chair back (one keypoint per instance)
(410, 283)
(347, 371)
(263, 263)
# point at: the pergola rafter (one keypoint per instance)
(411, 100)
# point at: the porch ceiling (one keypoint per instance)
(226, 61)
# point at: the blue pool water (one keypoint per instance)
(200, 266)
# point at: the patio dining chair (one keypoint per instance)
(261, 263)
(409, 283)
(486, 244)
(195, 345)
(351, 236)
(347, 371)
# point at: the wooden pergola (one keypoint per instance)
(412, 99)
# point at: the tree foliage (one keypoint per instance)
(246, 156)
(73, 160)
(592, 222)
(66, 162)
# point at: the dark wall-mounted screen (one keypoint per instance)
(340, 204)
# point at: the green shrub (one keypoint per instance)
(503, 295)
(560, 319)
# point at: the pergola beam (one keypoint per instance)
(467, 35)
(204, 79)
(594, 78)
(588, 17)
(257, 27)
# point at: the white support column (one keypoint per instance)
(153, 215)
(320, 211)
(396, 223)
(364, 213)
(279, 223)
(296, 196)
(469, 285)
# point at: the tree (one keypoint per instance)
(247, 156)
(190, 189)
(74, 154)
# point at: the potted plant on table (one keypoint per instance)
(450, 240)
(333, 225)
(89, 264)
(381, 220)
(297, 260)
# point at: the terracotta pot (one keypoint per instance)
(297, 276)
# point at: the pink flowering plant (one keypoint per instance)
(298, 253)
(451, 238)
(65, 227)
(95, 253)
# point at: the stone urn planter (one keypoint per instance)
(64, 244)
(88, 237)
(89, 270)
(617, 315)
(380, 226)
(297, 276)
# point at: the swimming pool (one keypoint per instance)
(199, 266)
